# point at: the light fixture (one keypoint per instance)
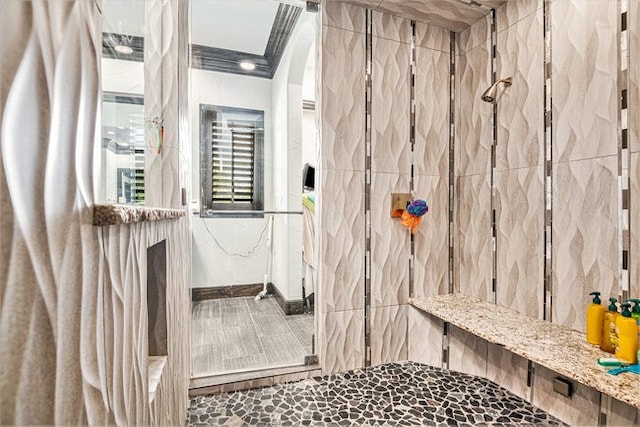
(247, 65)
(120, 48)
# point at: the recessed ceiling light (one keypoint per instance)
(120, 48)
(247, 65)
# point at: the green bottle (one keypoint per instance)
(635, 314)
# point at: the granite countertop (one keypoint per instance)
(553, 346)
(129, 214)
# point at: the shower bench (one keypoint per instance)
(561, 350)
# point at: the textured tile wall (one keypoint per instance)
(388, 334)
(390, 247)
(519, 201)
(520, 239)
(473, 262)
(431, 159)
(584, 73)
(508, 369)
(431, 267)
(340, 209)
(467, 353)
(425, 338)
(634, 225)
(585, 245)
(73, 345)
(581, 409)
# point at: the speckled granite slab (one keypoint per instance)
(404, 393)
(128, 214)
(555, 347)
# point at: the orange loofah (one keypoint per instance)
(411, 221)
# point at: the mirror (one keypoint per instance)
(123, 145)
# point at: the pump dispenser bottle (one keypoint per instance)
(627, 332)
(635, 314)
(595, 319)
(609, 338)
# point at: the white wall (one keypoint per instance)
(288, 142)
(215, 238)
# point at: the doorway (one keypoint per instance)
(254, 145)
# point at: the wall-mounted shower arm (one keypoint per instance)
(489, 95)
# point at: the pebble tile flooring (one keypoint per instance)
(405, 393)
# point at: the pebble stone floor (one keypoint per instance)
(405, 393)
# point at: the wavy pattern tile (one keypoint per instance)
(634, 225)
(633, 28)
(73, 331)
(511, 12)
(474, 119)
(585, 241)
(343, 341)
(520, 107)
(475, 35)
(520, 240)
(389, 243)
(153, 101)
(507, 369)
(473, 224)
(581, 409)
(431, 149)
(391, 27)
(342, 15)
(342, 240)
(425, 338)
(388, 334)
(584, 71)
(343, 109)
(453, 15)
(432, 37)
(390, 148)
(431, 243)
(467, 353)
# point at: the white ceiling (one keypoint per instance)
(241, 25)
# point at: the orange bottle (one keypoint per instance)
(609, 337)
(627, 333)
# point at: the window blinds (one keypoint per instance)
(233, 149)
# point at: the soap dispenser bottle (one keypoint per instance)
(627, 332)
(609, 338)
(635, 314)
(595, 319)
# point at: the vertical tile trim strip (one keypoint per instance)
(452, 140)
(623, 148)
(367, 187)
(412, 141)
(494, 143)
(548, 164)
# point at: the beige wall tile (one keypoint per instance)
(520, 240)
(425, 338)
(343, 341)
(390, 147)
(388, 334)
(585, 241)
(343, 109)
(584, 74)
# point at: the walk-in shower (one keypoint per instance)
(489, 95)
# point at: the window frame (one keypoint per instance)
(208, 208)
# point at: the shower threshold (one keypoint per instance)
(246, 379)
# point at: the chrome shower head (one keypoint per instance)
(489, 95)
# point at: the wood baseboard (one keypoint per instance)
(229, 291)
(287, 306)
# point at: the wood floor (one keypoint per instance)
(231, 334)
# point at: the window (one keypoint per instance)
(231, 160)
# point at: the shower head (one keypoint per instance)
(489, 95)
